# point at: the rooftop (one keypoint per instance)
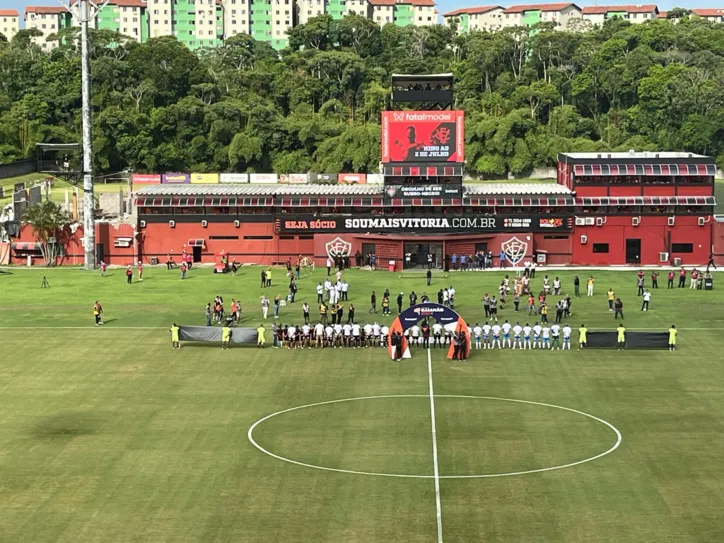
(602, 10)
(635, 154)
(421, 3)
(9, 13)
(708, 12)
(471, 11)
(540, 7)
(45, 10)
(474, 189)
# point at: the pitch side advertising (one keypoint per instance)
(423, 191)
(423, 136)
(429, 225)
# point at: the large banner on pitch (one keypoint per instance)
(423, 136)
(429, 225)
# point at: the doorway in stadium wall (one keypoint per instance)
(633, 251)
(196, 254)
(416, 255)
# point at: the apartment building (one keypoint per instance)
(160, 18)
(531, 14)
(713, 15)
(634, 13)
(486, 18)
(403, 12)
(9, 23)
(48, 20)
(127, 17)
(237, 17)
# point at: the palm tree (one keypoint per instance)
(50, 224)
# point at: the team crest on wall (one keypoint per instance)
(338, 247)
(515, 249)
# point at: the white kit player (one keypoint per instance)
(566, 337)
(486, 335)
(517, 331)
(368, 334)
(355, 335)
(376, 331)
(385, 331)
(319, 334)
(306, 333)
(537, 328)
(415, 335)
(329, 335)
(526, 336)
(546, 337)
(555, 337)
(292, 337)
(496, 335)
(337, 335)
(506, 333)
(437, 333)
(347, 330)
(477, 331)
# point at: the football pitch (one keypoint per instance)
(110, 435)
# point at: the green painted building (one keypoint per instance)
(336, 9)
(404, 14)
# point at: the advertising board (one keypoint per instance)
(423, 191)
(234, 178)
(145, 179)
(205, 178)
(430, 225)
(293, 178)
(175, 178)
(352, 178)
(266, 178)
(423, 136)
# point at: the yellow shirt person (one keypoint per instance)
(582, 331)
(611, 298)
(672, 337)
(260, 340)
(175, 343)
(590, 282)
(225, 337)
(621, 336)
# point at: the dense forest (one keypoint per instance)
(316, 105)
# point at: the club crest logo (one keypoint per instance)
(338, 247)
(391, 192)
(515, 250)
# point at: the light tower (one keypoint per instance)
(86, 12)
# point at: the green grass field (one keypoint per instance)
(110, 435)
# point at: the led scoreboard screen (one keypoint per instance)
(423, 136)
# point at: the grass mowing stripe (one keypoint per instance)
(436, 470)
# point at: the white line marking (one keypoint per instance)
(436, 471)
(250, 436)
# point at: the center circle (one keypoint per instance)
(454, 433)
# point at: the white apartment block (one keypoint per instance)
(483, 18)
(357, 7)
(383, 11)
(205, 19)
(530, 14)
(160, 18)
(9, 23)
(236, 17)
(713, 15)
(306, 9)
(282, 19)
(634, 14)
(425, 13)
(46, 19)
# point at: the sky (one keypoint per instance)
(449, 5)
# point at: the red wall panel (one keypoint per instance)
(659, 190)
(624, 191)
(589, 192)
(695, 190)
(717, 229)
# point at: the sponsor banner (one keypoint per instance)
(430, 225)
(375, 179)
(423, 136)
(145, 179)
(423, 191)
(293, 178)
(205, 178)
(352, 178)
(324, 177)
(234, 177)
(263, 178)
(174, 178)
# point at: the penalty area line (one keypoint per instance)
(436, 470)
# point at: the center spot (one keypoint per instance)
(392, 436)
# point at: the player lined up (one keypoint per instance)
(516, 336)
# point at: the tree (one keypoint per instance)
(50, 224)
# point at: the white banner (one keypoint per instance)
(263, 178)
(234, 178)
(375, 178)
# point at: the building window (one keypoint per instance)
(600, 248)
(258, 237)
(682, 247)
(233, 22)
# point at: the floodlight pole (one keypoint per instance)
(87, 12)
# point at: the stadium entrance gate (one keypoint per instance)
(443, 315)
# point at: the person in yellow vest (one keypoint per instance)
(260, 340)
(544, 312)
(98, 313)
(323, 313)
(672, 337)
(225, 337)
(582, 331)
(621, 337)
(590, 282)
(175, 343)
(611, 298)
